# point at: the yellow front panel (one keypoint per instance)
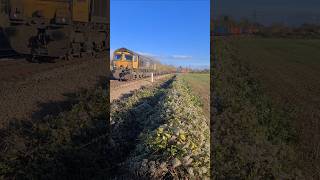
(126, 64)
(80, 10)
(123, 64)
(135, 65)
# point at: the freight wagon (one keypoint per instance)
(55, 28)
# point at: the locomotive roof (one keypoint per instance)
(125, 50)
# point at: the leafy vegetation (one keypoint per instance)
(175, 138)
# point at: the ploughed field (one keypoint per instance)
(267, 96)
(157, 132)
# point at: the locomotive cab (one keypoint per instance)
(125, 60)
(125, 64)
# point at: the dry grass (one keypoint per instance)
(200, 84)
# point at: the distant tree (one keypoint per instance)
(226, 21)
(244, 23)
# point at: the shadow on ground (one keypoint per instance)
(127, 126)
(73, 139)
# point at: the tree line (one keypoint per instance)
(276, 29)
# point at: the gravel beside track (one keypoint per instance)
(119, 89)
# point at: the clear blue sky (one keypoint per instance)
(177, 32)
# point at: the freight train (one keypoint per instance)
(129, 65)
(54, 28)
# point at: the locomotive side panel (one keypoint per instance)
(46, 9)
(99, 11)
(25, 26)
(99, 17)
(55, 28)
(80, 10)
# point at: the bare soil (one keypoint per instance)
(33, 90)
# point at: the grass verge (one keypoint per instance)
(252, 138)
(200, 85)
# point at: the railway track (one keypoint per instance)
(120, 88)
(114, 84)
